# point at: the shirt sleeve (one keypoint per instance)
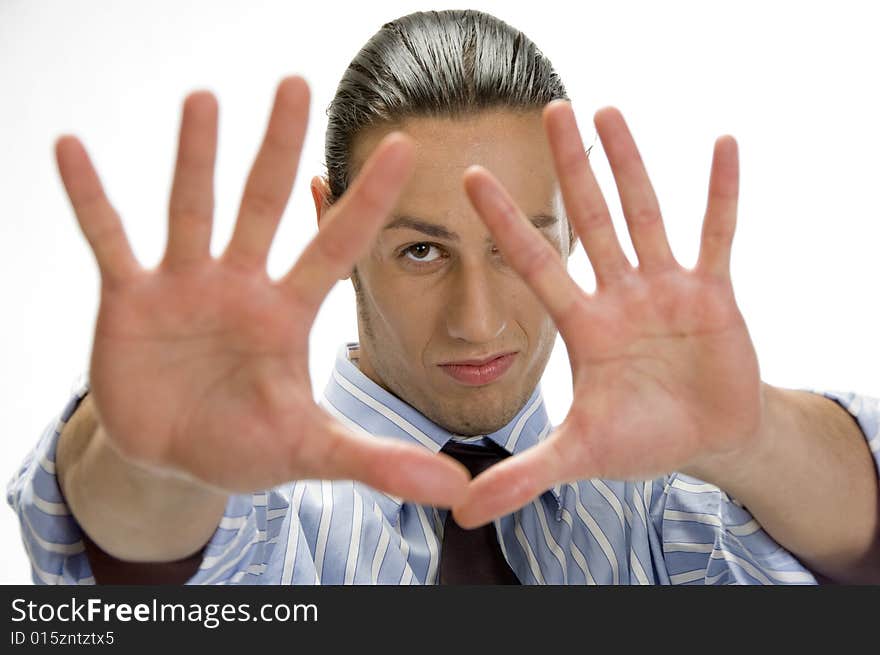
(237, 552)
(710, 538)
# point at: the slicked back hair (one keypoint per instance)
(441, 64)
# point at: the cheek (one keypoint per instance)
(407, 312)
(534, 320)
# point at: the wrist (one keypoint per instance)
(733, 468)
(74, 440)
(808, 478)
(130, 511)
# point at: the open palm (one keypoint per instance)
(201, 365)
(665, 375)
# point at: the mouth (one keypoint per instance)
(477, 372)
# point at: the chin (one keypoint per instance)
(474, 417)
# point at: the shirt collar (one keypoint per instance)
(362, 404)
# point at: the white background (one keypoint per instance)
(796, 83)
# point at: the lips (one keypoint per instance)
(477, 372)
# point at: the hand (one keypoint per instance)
(665, 375)
(201, 365)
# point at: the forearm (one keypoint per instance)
(811, 482)
(131, 512)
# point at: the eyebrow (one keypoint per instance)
(540, 221)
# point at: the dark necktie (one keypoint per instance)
(473, 556)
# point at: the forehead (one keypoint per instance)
(512, 145)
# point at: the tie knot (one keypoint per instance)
(476, 458)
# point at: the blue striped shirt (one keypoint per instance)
(671, 530)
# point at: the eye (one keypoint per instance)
(421, 252)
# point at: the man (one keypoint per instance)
(198, 453)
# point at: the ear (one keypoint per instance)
(572, 240)
(321, 195)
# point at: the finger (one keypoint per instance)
(719, 223)
(400, 469)
(512, 484)
(523, 245)
(272, 176)
(637, 198)
(191, 206)
(98, 220)
(584, 202)
(350, 227)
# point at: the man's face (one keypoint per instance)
(436, 299)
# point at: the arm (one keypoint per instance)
(129, 512)
(60, 552)
(811, 482)
(665, 374)
(199, 382)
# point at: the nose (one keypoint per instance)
(474, 311)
